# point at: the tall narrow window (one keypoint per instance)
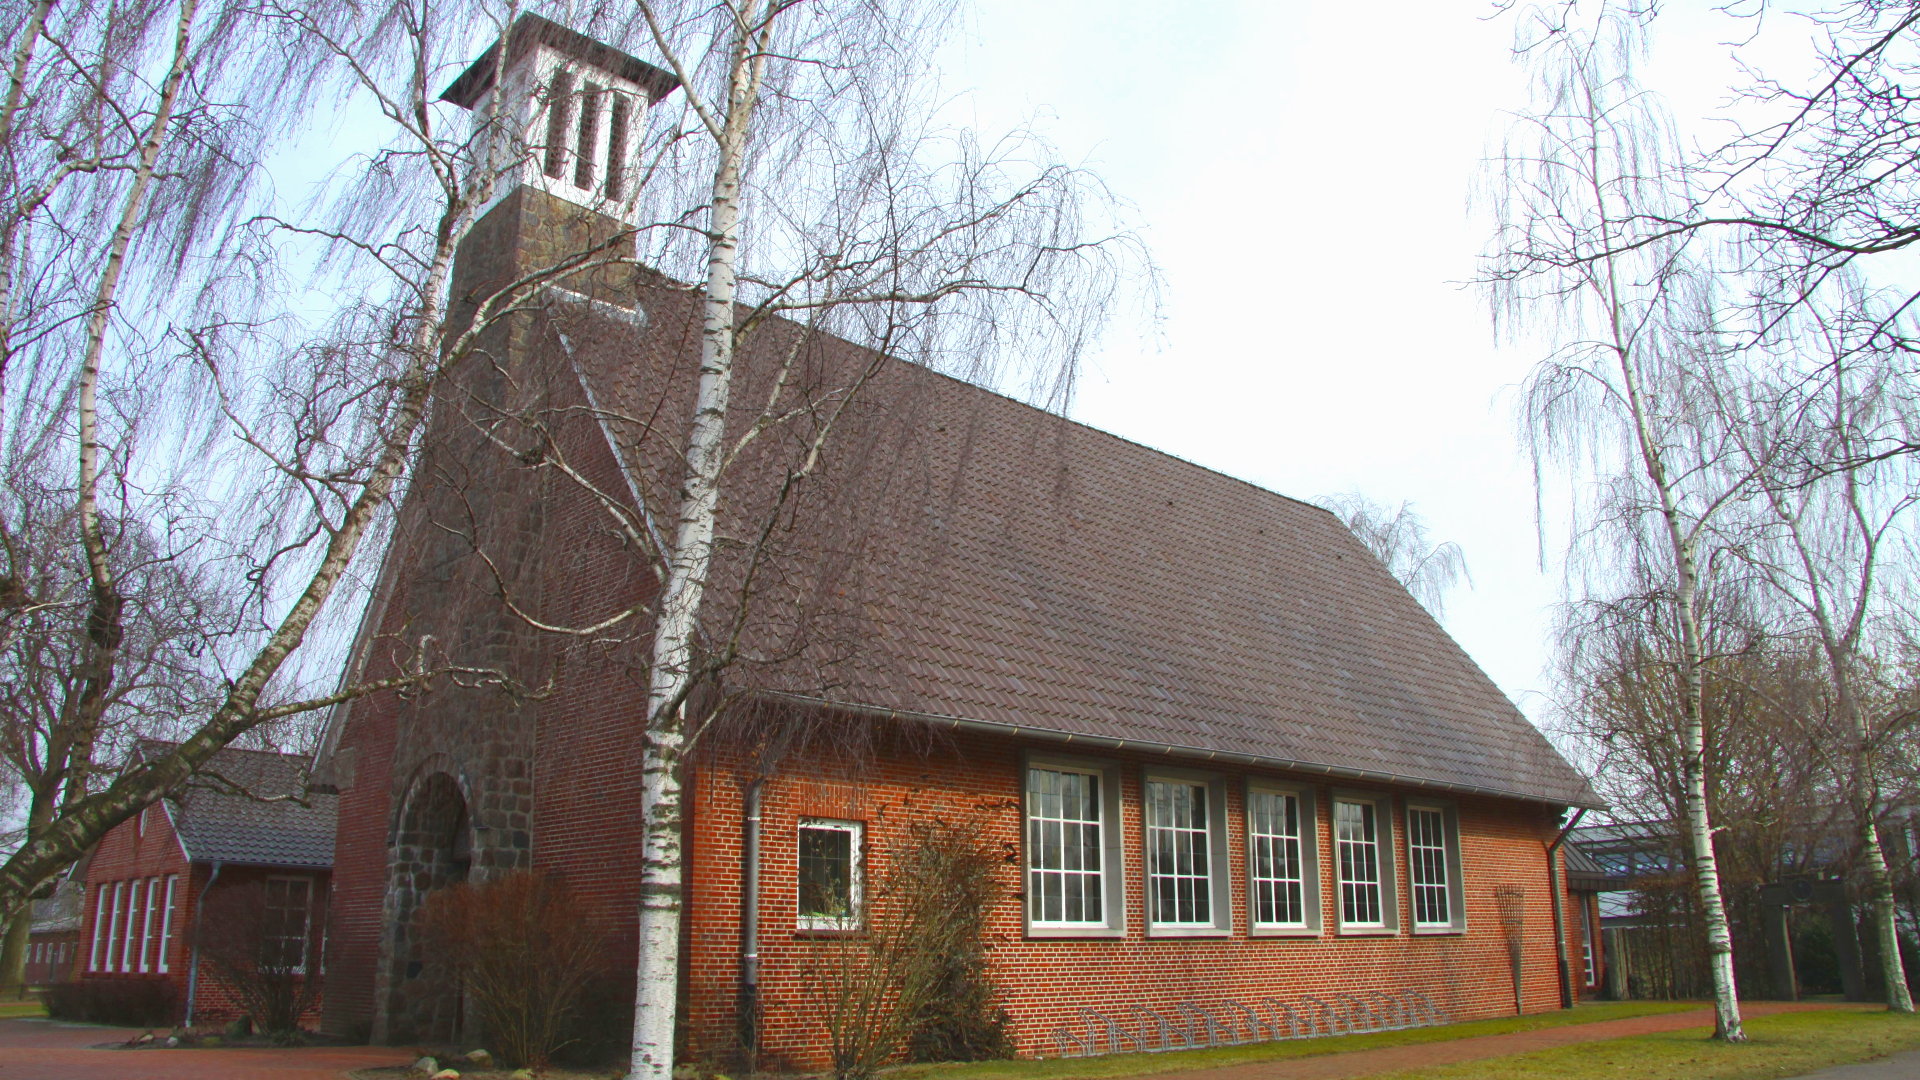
(1356, 836)
(1586, 941)
(829, 875)
(587, 150)
(166, 922)
(150, 925)
(1065, 887)
(559, 112)
(617, 121)
(1273, 833)
(96, 955)
(1427, 865)
(135, 905)
(283, 937)
(1178, 871)
(116, 933)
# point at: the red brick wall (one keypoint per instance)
(142, 849)
(359, 869)
(586, 827)
(1046, 981)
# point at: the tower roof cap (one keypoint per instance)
(530, 30)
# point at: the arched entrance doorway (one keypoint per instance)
(433, 848)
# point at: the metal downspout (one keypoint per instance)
(193, 963)
(1560, 912)
(749, 1014)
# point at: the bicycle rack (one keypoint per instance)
(1295, 1018)
(1392, 1009)
(1238, 1014)
(1232, 1022)
(1335, 1023)
(1207, 1023)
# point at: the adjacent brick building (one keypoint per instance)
(245, 828)
(1223, 753)
(53, 935)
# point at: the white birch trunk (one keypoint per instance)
(1872, 857)
(1699, 825)
(658, 966)
(1841, 645)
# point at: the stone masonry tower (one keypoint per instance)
(443, 787)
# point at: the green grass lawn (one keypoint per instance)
(1112, 1065)
(1788, 1044)
(29, 1007)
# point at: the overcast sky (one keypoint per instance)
(1304, 174)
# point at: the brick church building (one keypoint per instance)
(1226, 756)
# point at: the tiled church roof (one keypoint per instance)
(1012, 569)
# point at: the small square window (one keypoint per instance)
(830, 885)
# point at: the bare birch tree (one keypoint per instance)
(1398, 538)
(1827, 544)
(1628, 400)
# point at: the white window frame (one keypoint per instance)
(1307, 822)
(1112, 889)
(306, 925)
(166, 922)
(1385, 853)
(1219, 921)
(116, 953)
(147, 927)
(101, 922)
(128, 932)
(1592, 971)
(856, 874)
(1456, 921)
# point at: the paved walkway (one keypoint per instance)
(50, 1050)
(1901, 1066)
(1359, 1063)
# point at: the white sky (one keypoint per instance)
(1304, 172)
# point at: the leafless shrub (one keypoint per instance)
(917, 973)
(524, 954)
(258, 935)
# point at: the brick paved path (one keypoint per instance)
(1361, 1063)
(46, 1050)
